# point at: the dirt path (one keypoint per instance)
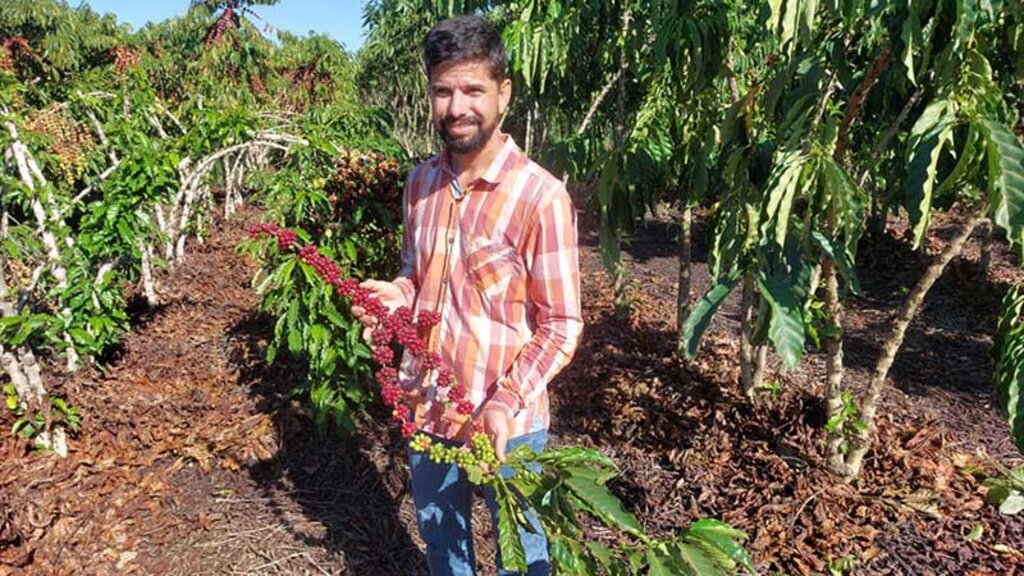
(194, 459)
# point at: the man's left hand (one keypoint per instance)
(497, 425)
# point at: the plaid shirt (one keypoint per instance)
(501, 267)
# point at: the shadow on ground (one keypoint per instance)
(351, 486)
(956, 321)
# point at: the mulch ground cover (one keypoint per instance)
(194, 458)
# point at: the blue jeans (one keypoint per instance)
(444, 496)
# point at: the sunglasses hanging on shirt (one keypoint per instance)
(457, 192)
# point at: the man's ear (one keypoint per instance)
(504, 95)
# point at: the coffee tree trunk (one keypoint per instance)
(683, 307)
(620, 280)
(833, 306)
(833, 362)
(760, 361)
(747, 300)
(528, 139)
(861, 440)
(148, 282)
(985, 260)
(32, 177)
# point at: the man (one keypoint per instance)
(490, 243)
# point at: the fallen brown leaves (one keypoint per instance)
(192, 460)
(171, 400)
(693, 446)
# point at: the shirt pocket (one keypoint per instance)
(491, 265)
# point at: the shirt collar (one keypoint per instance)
(499, 165)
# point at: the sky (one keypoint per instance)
(342, 20)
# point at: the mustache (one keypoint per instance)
(469, 120)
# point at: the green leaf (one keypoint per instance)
(792, 21)
(360, 350)
(967, 17)
(350, 250)
(126, 233)
(922, 169)
(292, 320)
(610, 242)
(843, 261)
(727, 244)
(720, 536)
(18, 424)
(1012, 505)
(713, 526)
(933, 116)
(295, 341)
(573, 455)
(847, 200)
(971, 157)
(601, 553)
(318, 334)
(704, 310)
(782, 187)
(332, 314)
(568, 556)
(637, 558)
(786, 326)
(691, 559)
(1006, 178)
(911, 35)
(474, 473)
(1007, 353)
(513, 557)
(975, 534)
(1015, 478)
(997, 493)
(659, 563)
(587, 487)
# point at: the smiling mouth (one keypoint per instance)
(461, 128)
(462, 124)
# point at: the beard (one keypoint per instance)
(470, 142)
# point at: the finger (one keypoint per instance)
(500, 442)
(466, 435)
(367, 334)
(367, 320)
(358, 311)
(373, 285)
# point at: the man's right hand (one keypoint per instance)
(389, 294)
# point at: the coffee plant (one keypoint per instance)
(345, 201)
(114, 155)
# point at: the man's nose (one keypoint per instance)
(458, 105)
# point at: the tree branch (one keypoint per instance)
(597, 102)
(853, 108)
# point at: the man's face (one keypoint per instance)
(467, 104)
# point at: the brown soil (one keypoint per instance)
(195, 459)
